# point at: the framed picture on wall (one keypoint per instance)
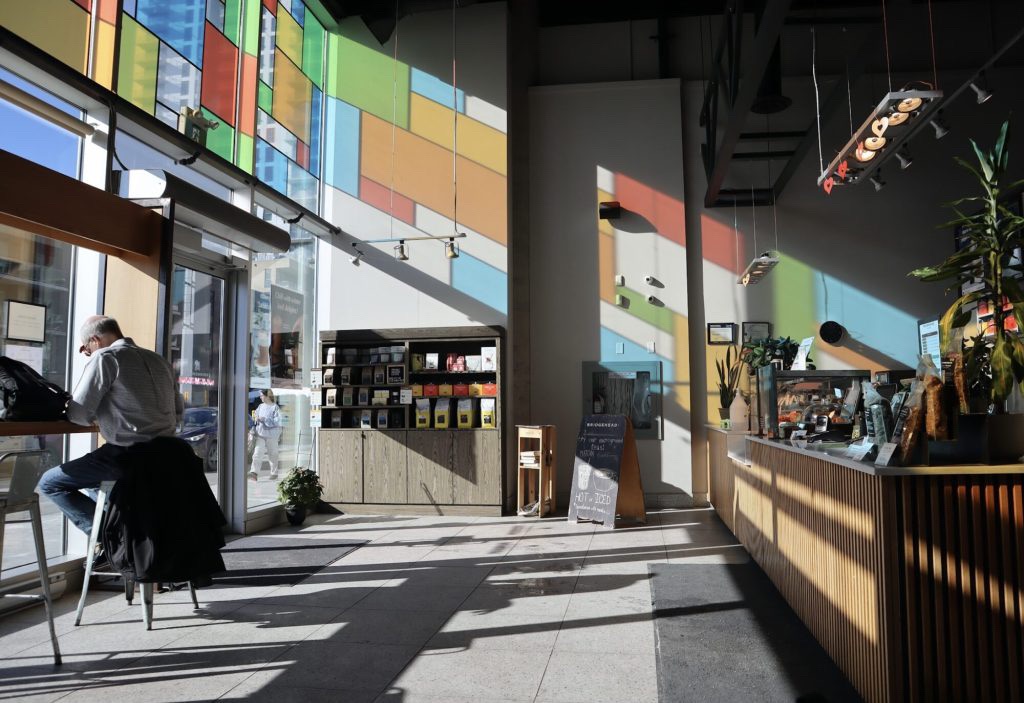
(753, 331)
(721, 333)
(26, 322)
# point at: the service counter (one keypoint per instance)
(911, 578)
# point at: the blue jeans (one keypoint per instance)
(63, 484)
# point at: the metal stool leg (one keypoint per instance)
(97, 519)
(147, 605)
(44, 574)
(129, 590)
(195, 600)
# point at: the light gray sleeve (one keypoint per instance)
(96, 380)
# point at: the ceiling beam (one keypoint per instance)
(769, 28)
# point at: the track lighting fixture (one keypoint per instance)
(980, 88)
(357, 256)
(876, 181)
(758, 268)
(940, 127)
(904, 157)
(401, 253)
(451, 249)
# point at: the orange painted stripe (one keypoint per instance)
(423, 173)
(247, 108)
(719, 244)
(606, 267)
(380, 196)
(663, 211)
(107, 10)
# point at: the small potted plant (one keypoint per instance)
(299, 491)
(728, 382)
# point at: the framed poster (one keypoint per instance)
(721, 333)
(754, 331)
(26, 322)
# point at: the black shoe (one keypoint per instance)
(100, 561)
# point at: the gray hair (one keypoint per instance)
(100, 326)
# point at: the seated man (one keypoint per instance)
(130, 393)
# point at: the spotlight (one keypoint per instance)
(904, 157)
(897, 118)
(400, 251)
(939, 125)
(876, 180)
(354, 260)
(451, 249)
(980, 88)
(909, 104)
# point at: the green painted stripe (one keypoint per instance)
(313, 51)
(246, 150)
(266, 98)
(366, 78)
(660, 317)
(136, 73)
(793, 292)
(251, 27)
(232, 20)
(220, 141)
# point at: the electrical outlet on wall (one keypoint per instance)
(650, 347)
(620, 348)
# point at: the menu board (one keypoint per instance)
(606, 473)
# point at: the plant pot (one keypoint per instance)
(724, 422)
(1005, 438)
(296, 514)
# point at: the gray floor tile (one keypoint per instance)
(404, 596)
(476, 674)
(361, 667)
(359, 625)
(497, 630)
(630, 633)
(623, 677)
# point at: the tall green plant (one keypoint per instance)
(990, 238)
(728, 376)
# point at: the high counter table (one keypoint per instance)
(912, 579)
(19, 429)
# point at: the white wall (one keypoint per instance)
(581, 137)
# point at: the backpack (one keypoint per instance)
(27, 396)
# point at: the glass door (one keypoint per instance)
(197, 355)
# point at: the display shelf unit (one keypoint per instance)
(535, 456)
(419, 463)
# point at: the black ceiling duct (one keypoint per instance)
(769, 98)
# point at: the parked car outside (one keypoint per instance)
(199, 429)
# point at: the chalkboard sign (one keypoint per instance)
(606, 472)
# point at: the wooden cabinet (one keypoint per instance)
(385, 468)
(430, 467)
(341, 465)
(476, 467)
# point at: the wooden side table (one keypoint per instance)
(535, 457)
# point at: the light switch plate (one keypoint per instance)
(620, 280)
(650, 347)
(620, 348)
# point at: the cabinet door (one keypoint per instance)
(385, 467)
(341, 465)
(477, 467)
(430, 467)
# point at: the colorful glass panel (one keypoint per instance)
(219, 75)
(137, 70)
(314, 132)
(58, 27)
(220, 141)
(266, 97)
(277, 136)
(271, 166)
(268, 32)
(289, 37)
(292, 97)
(232, 20)
(177, 81)
(247, 96)
(251, 27)
(313, 51)
(179, 23)
(302, 187)
(245, 152)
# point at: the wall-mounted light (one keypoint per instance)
(609, 210)
(451, 249)
(980, 87)
(940, 126)
(876, 181)
(401, 253)
(357, 256)
(904, 157)
(882, 134)
(758, 269)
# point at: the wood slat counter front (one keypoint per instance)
(912, 579)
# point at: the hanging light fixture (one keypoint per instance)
(401, 253)
(980, 87)
(940, 126)
(357, 256)
(451, 248)
(758, 269)
(904, 157)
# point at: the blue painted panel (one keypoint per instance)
(314, 131)
(876, 324)
(633, 352)
(481, 281)
(180, 24)
(341, 155)
(271, 166)
(437, 90)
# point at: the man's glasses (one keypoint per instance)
(87, 347)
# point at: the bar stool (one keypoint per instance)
(98, 519)
(22, 496)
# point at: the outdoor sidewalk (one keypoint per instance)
(429, 609)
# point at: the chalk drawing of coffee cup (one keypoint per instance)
(604, 481)
(584, 475)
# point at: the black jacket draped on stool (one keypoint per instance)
(163, 523)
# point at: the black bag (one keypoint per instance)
(28, 396)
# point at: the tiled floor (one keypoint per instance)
(430, 609)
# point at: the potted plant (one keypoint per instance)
(989, 258)
(762, 352)
(299, 491)
(728, 381)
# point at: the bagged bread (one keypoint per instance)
(934, 413)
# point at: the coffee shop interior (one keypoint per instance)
(756, 262)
